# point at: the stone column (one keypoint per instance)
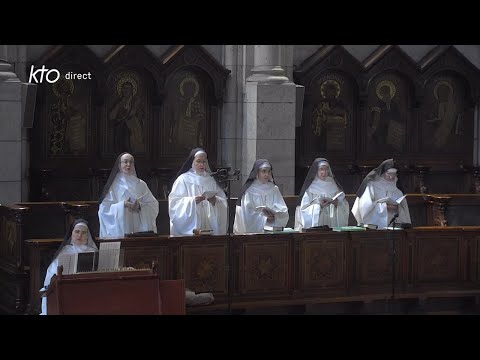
(10, 135)
(269, 118)
(230, 130)
(267, 66)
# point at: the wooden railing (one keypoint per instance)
(263, 270)
(47, 220)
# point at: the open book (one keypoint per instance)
(391, 201)
(209, 194)
(267, 209)
(326, 198)
(78, 262)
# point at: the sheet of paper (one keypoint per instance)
(69, 263)
(109, 255)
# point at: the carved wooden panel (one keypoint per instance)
(264, 266)
(329, 114)
(203, 267)
(68, 117)
(475, 259)
(186, 112)
(194, 89)
(142, 257)
(446, 123)
(8, 295)
(387, 114)
(438, 260)
(65, 124)
(329, 119)
(372, 259)
(323, 264)
(8, 235)
(128, 113)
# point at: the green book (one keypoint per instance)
(349, 228)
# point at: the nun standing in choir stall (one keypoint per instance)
(259, 193)
(196, 200)
(370, 206)
(314, 205)
(78, 239)
(126, 204)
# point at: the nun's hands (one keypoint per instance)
(134, 206)
(199, 199)
(393, 208)
(212, 200)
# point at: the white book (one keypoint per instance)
(209, 194)
(391, 201)
(338, 195)
(266, 208)
(326, 198)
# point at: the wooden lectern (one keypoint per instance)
(128, 292)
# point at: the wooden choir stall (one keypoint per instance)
(297, 269)
(264, 269)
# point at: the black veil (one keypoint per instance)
(187, 165)
(376, 174)
(312, 172)
(252, 177)
(113, 173)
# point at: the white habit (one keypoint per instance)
(248, 219)
(186, 215)
(367, 211)
(308, 215)
(115, 219)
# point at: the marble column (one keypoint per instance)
(230, 130)
(10, 135)
(14, 148)
(269, 118)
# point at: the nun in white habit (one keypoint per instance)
(78, 239)
(196, 200)
(314, 205)
(258, 196)
(126, 204)
(380, 183)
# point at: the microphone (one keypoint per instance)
(393, 219)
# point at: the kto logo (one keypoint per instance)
(52, 75)
(48, 75)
